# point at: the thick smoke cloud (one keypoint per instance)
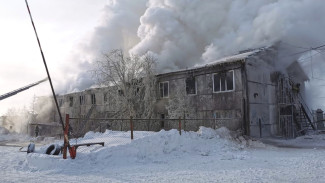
(117, 30)
(185, 33)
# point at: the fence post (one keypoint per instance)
(65, 137)
(180, 126)
(131, 125)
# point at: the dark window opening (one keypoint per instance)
(216, 80)
(82, 100)
(230, 80)
(164, 89)
(223, 81)
(190, 86)
(120, 92)
(60, 102)
(162, 122)
(105, 97)
(70, 101)
(93, 99)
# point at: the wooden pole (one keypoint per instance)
(66, 141)
(131, 125)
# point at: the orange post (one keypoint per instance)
(131, 125)
(73, 152)
(66, 140)
(180, 126)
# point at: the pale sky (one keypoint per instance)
(61, 26)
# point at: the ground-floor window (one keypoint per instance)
(164, 89)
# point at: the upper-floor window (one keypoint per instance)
(223, 81)
(120, 92)
(82, 99)
(70, 101)
(93, 99)
(190, 86)
(105, 97)
(60, 102)
(164, 89)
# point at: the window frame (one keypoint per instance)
(164, 90)
(93, 99)
(195, 87)
(81, 99)
(71, 101)
(105, 95)
(233, 82)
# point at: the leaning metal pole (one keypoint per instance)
(47, 71)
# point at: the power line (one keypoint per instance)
(308, 57)
(304, 51)
(294, 45)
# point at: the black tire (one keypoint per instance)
(53, 149)
(31, 148)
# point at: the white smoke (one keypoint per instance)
(184, 33)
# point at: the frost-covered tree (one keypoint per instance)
(131, 82)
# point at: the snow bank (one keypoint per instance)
(154, 147)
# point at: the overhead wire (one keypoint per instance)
(304, 51)
(294, 45)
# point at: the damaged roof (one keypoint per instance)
(241, 56)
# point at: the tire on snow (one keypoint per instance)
(53, 149)
(31, 148)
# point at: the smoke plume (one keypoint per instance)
(185, 33)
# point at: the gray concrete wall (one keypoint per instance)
(205, 103)
(261, 90)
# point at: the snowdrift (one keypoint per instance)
(152, 148)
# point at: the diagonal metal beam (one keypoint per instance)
(9, 94)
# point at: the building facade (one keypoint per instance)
(247, 92)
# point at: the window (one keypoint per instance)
(190, 86)
(162, 122)
(105, 97)
(82, 99)
(60, 102)
(223, 81)
(93, 99)
(164, 89)
(120, 92)
(70, 101)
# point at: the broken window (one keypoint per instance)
(60, 102)
(93, 99)
(120, 92)
(162, 122)
(223, 81)
(190, 86)
(105, 97)
(82, 100)
(70, 101)
(164, 89)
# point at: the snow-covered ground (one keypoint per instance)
(204, 156)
